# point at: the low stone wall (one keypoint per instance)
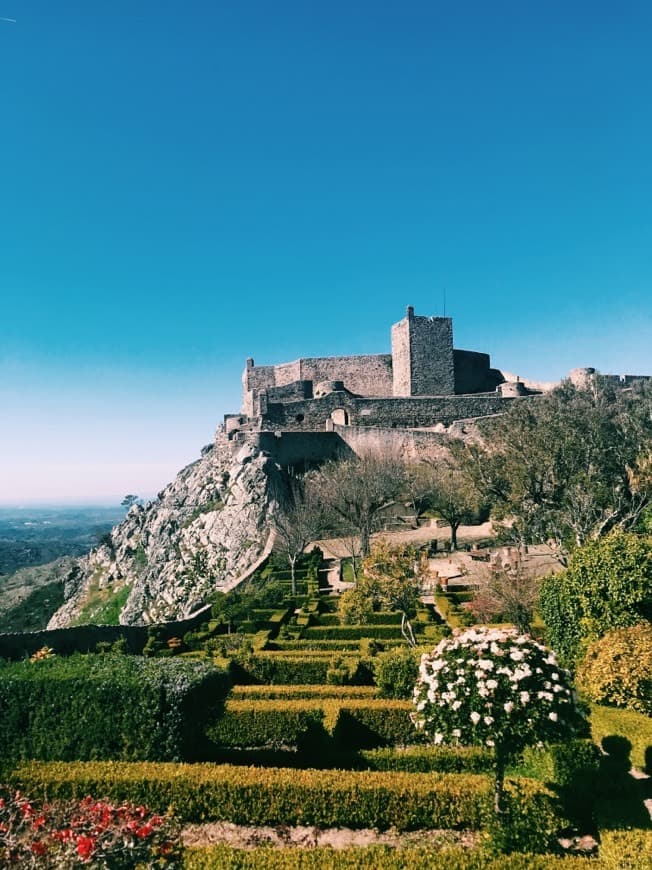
(85, 638)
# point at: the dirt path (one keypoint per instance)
(306, 837)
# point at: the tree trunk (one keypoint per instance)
(406, 630)
(365, 535)
(454, 528)
(499, 783)
(293, 562)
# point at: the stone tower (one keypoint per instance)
(422, 356)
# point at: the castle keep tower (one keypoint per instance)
(423, 362)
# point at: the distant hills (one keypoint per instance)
(36, 550)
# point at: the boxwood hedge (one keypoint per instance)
(108, 707)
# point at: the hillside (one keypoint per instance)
(204, 531)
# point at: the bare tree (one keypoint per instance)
(509, 592)
(353, 493)
(297, 523)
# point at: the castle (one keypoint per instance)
(402, 400)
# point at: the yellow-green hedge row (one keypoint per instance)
(256, 723)
(375, 858)
(352, 723)
(240, 693)
(427, 759)
(277, 796)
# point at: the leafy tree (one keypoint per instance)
(570, 466)
(498, 689)
(130, 500)
(353, 493)
(391, 578)
(453, 497)
(607, 585)
(617, 669)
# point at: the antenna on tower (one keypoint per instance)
(444, 302)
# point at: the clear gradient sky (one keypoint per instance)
(183, 185)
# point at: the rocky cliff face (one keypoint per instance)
(204, 531)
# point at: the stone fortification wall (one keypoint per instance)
(408, 413)
(431, 356)
(290, 392)
(401, 368)
(408, 444)
(299, 449)
(364, 375)
(422, 351)
(473, 372)
(369, 375)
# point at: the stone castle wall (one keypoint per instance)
(366, 375)
(431, 356)
(407, 413)
(408, 444)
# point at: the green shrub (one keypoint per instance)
(107, 706)
(429, 759)
(282, 796)
(617, 669)
(607, 585)
(338, 673)
(396, 671)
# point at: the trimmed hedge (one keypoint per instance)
(108, 707)
(297, 691)
(375, 722)
(282, 796)
(352, 632)
(565, 764)
(375, 857)
(310, 646)
(285, 668)
(272, 723)
(430, 759)
(352, 723)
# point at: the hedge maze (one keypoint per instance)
(272, 713)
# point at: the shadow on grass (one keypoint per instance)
(619, 796)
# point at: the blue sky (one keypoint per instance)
(183, 185)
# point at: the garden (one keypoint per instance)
(294, 717)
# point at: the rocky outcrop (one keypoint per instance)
(203, 532)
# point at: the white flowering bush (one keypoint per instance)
(495, 688)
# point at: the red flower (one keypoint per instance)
(144, 831)
(38, 848)
(39, 821)
(85, 847)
